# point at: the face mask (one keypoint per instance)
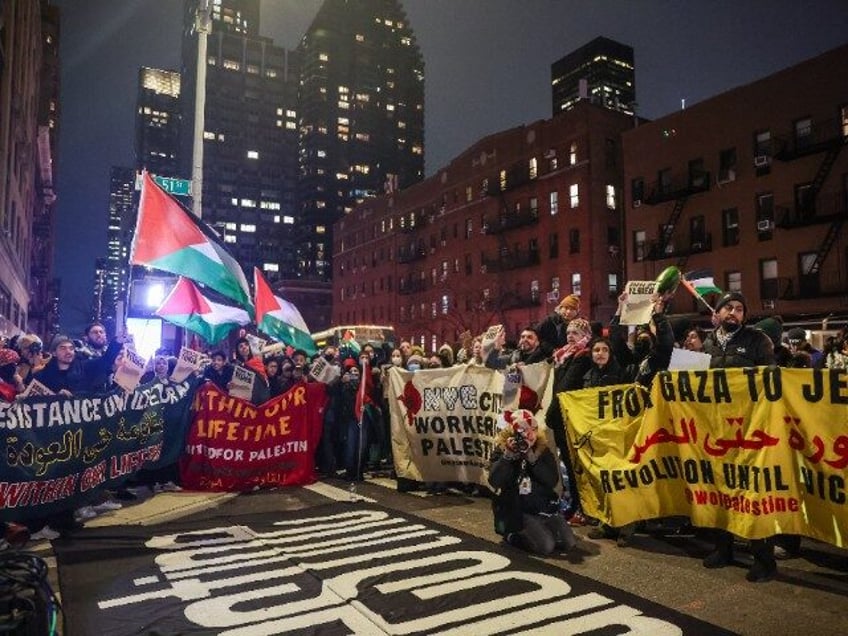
(329, 357)
(413, 367)
(642, 347)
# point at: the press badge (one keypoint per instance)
(524, 486)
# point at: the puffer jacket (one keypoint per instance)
(748, 347)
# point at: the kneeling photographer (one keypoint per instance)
(524, 472)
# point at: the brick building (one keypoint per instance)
(516, 221)
(752, 185)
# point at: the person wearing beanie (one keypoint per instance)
(734, 344)
(773, 328)
(798, 342)
(552, 330)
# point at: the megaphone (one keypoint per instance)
(668, 281)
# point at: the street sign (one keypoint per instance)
(171, 185)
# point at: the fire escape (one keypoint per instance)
(828, 138)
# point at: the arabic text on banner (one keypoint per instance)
(758, 452)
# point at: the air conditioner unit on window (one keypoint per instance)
(553, 296)
(669, 249)
(697, 246)
(637, 203)
(762, 161)
(764, 226)
(550, 154)
(768, 304)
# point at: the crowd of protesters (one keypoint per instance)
(583, 354)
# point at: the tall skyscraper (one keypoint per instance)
(157, 121)
(249, 136)
(361, 117)
(601, 71)
(113, 271)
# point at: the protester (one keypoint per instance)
(773, 328)
(219, 371)
(552, 329)
(605, 369)
(797, 338)
(734, 344)
(836, 355)
(529, 350)
(693, 340)
(11, 382)
(32, 360)
(524, 473)
(94, 343)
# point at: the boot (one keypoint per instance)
(722, 554)
(764, 567)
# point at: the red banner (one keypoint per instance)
(233, 445)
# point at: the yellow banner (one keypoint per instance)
(758, 452)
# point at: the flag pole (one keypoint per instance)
(364, 368)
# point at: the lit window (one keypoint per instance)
(611, 204)
(232, 65)
(290, 125)
(234, 201)
(574, 195)
(534, 168)
(360, 37)
(291, 113)
(271, 267)
(279, 111)
(321, 153)
(253, 154)
(572, 154)
(390, 107)
(575, 284)
(502, 179)
(208, 135)
(288, 220)
(230, 226)
(554, 198)
(323, 57)
(320, 229)
(248, 203)
(229, 238)
(271, 72)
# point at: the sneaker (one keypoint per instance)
(107, 506)
(761, 571)
(577, 519)
(45, 534)
(168, 486)
(718, 559)
(85, 513)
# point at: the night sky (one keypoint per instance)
(487, 68)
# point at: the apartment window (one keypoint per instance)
(803, 132)
(469, 193)
(445, 304)
(572, 154)
(609, 153)
(730, 227)
(843, 117)
(612, 284)
(768, 279)
(762, 144)
(637, 190)
(727, 165)
(765, 216)
(534, 167)
(534, 291)
(574, 241)
(664, 181)
(733, 281)
(575, 284)
(804, 200)
(574, 195)
(639, 245)
(554, 201)
(502, 179)
(469, 228)
(611, 197)
(253, 154)
(247, 227)
(469, 267)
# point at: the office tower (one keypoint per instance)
(361, 117)
(157, 121)
(114, 269)
(601, 71)
(249, 136)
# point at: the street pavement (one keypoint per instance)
(810, 594)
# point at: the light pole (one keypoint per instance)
(203, 25)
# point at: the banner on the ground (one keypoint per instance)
(234, 445)
(758, 452)
(60, 451)
(444, 420)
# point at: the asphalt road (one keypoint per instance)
(809, 596)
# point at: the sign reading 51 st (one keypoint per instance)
(171, 185)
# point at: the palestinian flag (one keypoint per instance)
(187, 307)
(169, 238)
(279, 318)
(349, 341)
(702, 281)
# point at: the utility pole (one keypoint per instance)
(203, 26)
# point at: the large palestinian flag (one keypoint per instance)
(279, 318)
(187, 307)
(169, 238)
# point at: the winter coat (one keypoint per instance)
(748, 347)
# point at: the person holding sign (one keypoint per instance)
(734, 344)
(524, 473)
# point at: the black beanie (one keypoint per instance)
(730, 296)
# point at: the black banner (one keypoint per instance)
(335, 569)
(59, 452)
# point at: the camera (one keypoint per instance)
(521, 445)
